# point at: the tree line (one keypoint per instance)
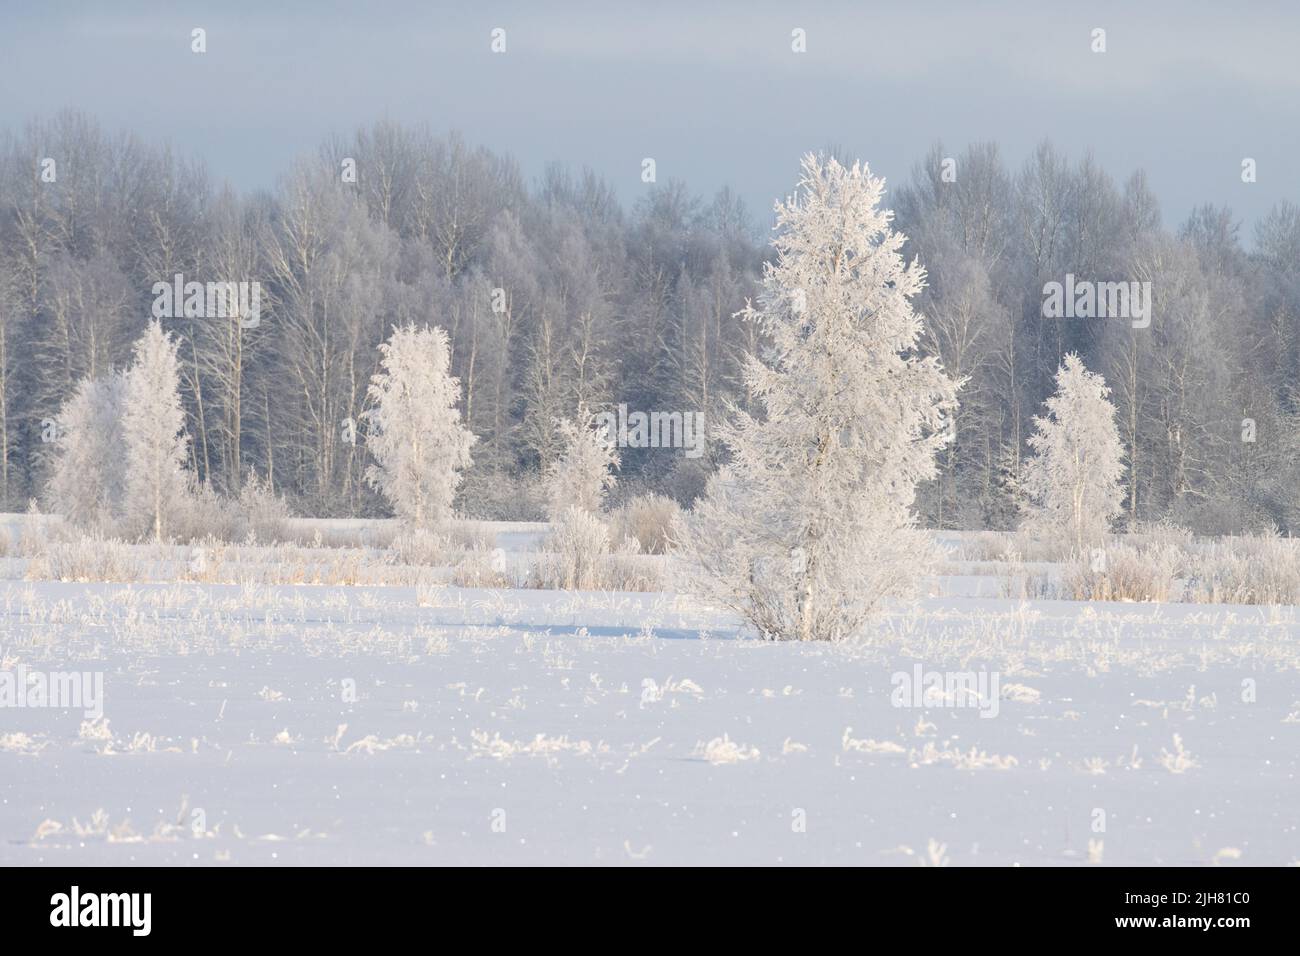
(554, 298)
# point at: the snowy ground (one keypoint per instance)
(336, 725)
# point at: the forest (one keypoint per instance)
(555, 298)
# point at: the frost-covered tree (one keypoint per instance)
(1075, 478)
(415, 435)
(86, 483)
(584, 469)
(810, 525)
(153, 435)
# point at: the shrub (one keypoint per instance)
(574, 552)
(584, 470)
(1124, 572)
(1253, 569)
(482, 568)
(90, 558)
(578, 557)
(206, 514)
(648, 520)
(468, 536)
(265, 515)
(420, 547)
(494, 496)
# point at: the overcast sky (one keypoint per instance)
(711, 91)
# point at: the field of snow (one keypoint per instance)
(309, 724)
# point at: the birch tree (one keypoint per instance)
(153, 435)
(584, 470)
(1075, 478)
(416, 436)
(810, 526)
(88, 476)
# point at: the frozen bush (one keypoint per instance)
(1124, 572)
(207, 515)
(265, 514)
(38, 531)
(317, 534)
(482, 568)
(647, 520)
(575, 551)
(1254, 569)
(468, 536)
(420, 547)
(89, 558)
(626, 570)
(496, 496)
(584, 470)
(578, 557)
(986, 546)
(1161, 533)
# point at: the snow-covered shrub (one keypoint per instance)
(498, 496)
(482, 568)
(810, 527)
(468, 536)
(648, 520)
(443, 548)
(985, 546)
(1023, 583)
(416, 436)
(575, 552)
(1029, 545)
(1124, 572)
(1161, 534)
(1074, 477)
(584, 470)
(626, 569)
(89, 558)
(323, 534)
(207, 515)
(1253, 569)
(153, 437)
(37, 531)
(265, 514)
(579, 557)
(422, 547)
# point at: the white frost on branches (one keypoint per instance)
(810, 526)
(583, 472)
(1075, 477)
(416, 436)
(87, 481)
(153, 435)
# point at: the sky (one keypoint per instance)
(713, 92)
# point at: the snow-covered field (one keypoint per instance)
(253, 724)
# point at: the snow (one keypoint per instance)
(523, 726)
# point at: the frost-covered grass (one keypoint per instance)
(467, 553)
(422, 722)
(411, 719)
(1157, 564)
